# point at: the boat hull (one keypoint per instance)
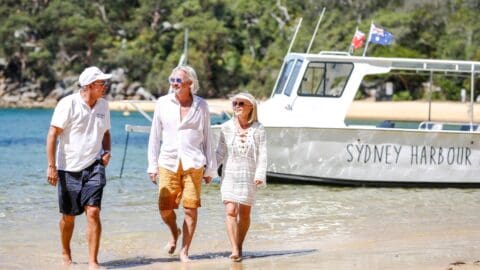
(381, 157)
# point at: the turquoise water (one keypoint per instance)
(301, 226)
(23, 133)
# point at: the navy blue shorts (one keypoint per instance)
(78, 189)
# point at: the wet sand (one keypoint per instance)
(325, 228)
(385, 110)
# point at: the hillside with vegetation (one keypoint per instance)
(233, 44)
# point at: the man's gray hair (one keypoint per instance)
(191, 75)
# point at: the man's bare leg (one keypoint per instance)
(189, 225)
(67, 223)
(94, 230)
(231, 213)
(243, 225)
(170, 218)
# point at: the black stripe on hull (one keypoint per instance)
(301, 179)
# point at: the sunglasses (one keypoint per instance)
(101, 83)
(238, 103)
(175, 80)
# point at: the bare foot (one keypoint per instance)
(67, 258)
(94, 266)
(235, 257)
(184, 257)
(236, 253)
(172, 244)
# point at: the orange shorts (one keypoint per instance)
(184, 186)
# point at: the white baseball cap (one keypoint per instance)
(91, 74)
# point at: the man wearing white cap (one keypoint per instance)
(81, 123)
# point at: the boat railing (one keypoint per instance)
(136, 128)
(434, 126)
(334, 53)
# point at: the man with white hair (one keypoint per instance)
(81, 123)
(181, 123)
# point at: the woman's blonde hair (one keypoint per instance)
(191, 75)
(253, 117)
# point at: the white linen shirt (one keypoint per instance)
(80, 142)
(188, 140)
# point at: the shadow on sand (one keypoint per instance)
(142, 261)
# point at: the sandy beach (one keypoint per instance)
(384, 110)
(413, 111)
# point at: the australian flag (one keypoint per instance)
(380, 36)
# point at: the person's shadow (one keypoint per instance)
(142, 261)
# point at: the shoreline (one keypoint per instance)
(445, 111)
(442, 111)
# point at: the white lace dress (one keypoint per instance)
(244, 159)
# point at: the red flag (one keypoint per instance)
(358, 39)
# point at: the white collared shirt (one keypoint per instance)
(80, 142)
(188, 140)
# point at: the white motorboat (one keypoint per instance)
(309, 140)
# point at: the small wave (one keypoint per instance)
(22, 141)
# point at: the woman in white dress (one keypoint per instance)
(243, 152)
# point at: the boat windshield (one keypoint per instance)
(284, 76)
(288, 76)
(325, 79)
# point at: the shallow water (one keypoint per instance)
(301, 226)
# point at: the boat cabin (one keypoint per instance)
(316, 90)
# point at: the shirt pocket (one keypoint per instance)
(101, 121)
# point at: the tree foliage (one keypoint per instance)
(233, 44)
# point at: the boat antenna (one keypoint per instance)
(294, 35)
(184, 57)
(472, 92)
(185, 45)
(316, 28)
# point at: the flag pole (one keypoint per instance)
(368, 39)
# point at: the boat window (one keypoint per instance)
(325, 79)
(293, 77)
(284, 76)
